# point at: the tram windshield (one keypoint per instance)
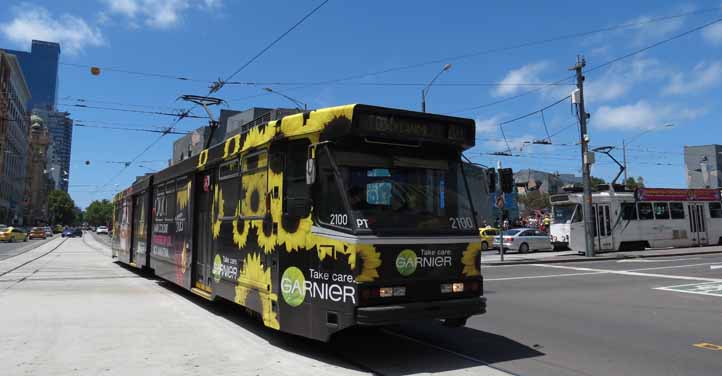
(394, 193)
(564, 213)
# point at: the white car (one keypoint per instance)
(48, 231)
(524, 240)
(101, 230)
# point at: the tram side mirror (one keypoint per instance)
(310, 171)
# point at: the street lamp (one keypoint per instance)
(425, 90)
(626, 142)
(295, 101)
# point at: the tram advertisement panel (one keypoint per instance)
(172, 231)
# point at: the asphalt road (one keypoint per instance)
(597, 318)
(8, 250)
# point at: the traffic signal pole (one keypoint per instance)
(587, 158)
(501, 211)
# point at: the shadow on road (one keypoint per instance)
(429, 347)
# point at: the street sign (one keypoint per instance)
(706, 288)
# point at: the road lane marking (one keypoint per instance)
(631, 273)
(709, 288)
(540, 276)
(665, 260)
(708, 346)
(673, 266)
(715, 267)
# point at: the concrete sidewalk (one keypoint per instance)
(67, 309)
(491, 258)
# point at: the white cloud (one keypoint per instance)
(618, 80)
(160, 14)
(642, 116)
(35, 22)
(713, 34)
(703, 76)
(488, 125)
(647, 31)
(527, 74)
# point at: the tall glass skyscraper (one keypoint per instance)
(40, 67)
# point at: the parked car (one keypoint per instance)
(488, 234)
(48, 231)
(524, 240)
(37, 233)
(58, 229)
(102, 230)
(13, 234)
(72, 233)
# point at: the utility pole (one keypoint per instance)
(624, 154)
(587, 157)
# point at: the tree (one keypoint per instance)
(99, 213)
(597, 181)
(535, 200)
(61, 207)
(631, 183)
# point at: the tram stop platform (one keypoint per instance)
(492, 258)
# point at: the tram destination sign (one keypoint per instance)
(415, 128)
(671, 194)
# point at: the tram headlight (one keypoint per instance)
(386, 292)
(457, 287)
(400, 291)
(445, 288)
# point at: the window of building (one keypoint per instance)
(629, 211)
(645, 210)
(677, 210)
(715, 210)
(661, 210)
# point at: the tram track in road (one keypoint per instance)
(33, 259)
(401, 354)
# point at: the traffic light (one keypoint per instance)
(491, 179)
(506, 179)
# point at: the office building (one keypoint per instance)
(14, 124)
(703, 165)
(60, 127)
(40, 67)
(38, 183)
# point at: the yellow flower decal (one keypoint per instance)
(469, 260)
(254, 278)
(182, 196)
(254, 201)
(217, 211)
(240, 236)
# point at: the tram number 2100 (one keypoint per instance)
(339, 219)
(461, 223)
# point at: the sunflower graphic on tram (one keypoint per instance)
(318, 221)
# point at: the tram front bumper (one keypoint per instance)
(440, 309)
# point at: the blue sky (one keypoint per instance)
(675, 83)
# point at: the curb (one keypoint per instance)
(602, 258)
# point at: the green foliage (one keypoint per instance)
(631, 183)
(597, 181)
(99, 213)
(535, 200)
(61, 207)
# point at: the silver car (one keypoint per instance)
(523, 240)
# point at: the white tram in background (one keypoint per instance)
(645, 218)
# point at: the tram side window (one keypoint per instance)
(295, 189)
(229, 184)
(629, 211)
(645, 210)
(661, 210)
(715, 210)
(677, 210)
(170, 203)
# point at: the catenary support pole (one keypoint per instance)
(586, 160)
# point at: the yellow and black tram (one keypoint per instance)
(318, 221)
